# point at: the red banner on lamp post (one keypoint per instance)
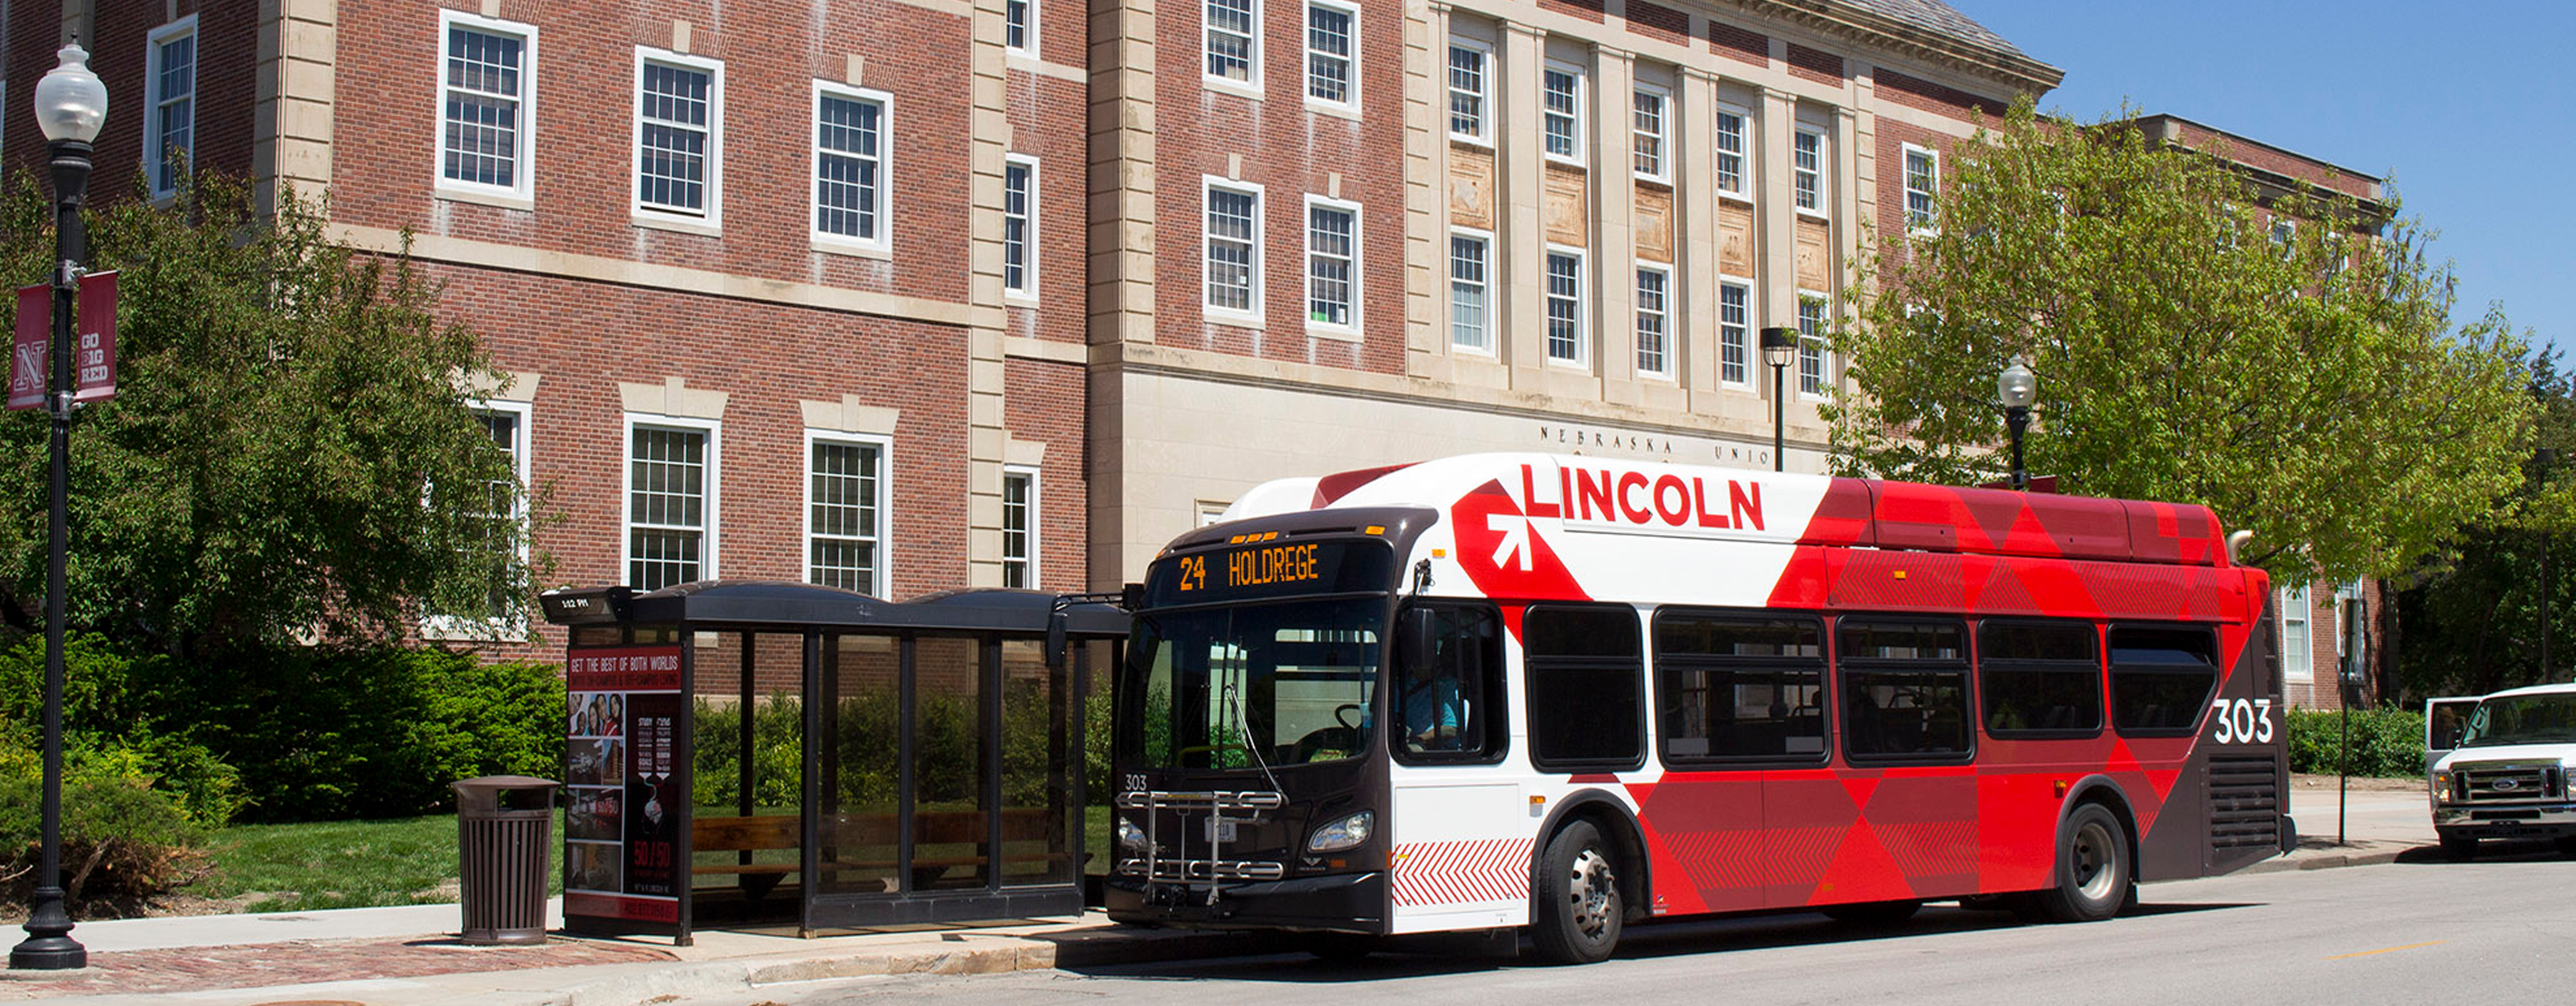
(94, 341)
(27, 371)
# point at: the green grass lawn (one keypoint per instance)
(342, 864)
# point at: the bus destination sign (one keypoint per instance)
(1270, 568)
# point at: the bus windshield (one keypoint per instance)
(1238, 687)
(2522, 719)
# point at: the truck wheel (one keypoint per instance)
(1576, 911)
(2459, 848)
(2093, 876)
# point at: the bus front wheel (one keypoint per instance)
(2094, 879)
(1577, 912)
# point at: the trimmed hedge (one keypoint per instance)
(2387, 743)
(330, 734)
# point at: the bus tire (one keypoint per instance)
(1576, 911)
(1872, 913)
(2094, 875)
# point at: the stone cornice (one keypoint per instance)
(1879, 31)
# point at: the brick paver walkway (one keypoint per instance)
(299, 962)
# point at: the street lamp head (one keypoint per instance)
(71, 104)
(1778, 342)
(2016, 386)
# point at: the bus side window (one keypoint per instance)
(2161, 678)
(1905, 689)
(2041, 678)
(1586, 670)
(1448, 701)
(1739, 686)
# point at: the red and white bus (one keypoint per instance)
(1571, 693)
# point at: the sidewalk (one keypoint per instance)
(2381, 820)
(409, 957)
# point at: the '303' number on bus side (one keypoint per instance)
(2243, 721)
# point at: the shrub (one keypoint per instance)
(2387, 743)
(778, 759)
(123, 840)
(326, 734)
(112, 710)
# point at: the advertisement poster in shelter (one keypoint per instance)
(621, 780)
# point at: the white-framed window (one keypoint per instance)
(507, 424)
(850, 158)
(679, 135)
(1649, 110)
(1020, 26)
(1734, 331)
(1019, 225)
(487, 86)
(1332, 53)
(1565, 305)
(1467, 63)
(1733, 143)
(1470, 285)
(1815, 355)
(1233, 43)
(845, 511)
(1020, 527)
(1233, 259)
(1922, 188)
(1332, 264)
(1807, 169)
(1560, 101)
(671, 478)
(2298, 653)
(1654, 320)
(170, 103)
(2285, 233)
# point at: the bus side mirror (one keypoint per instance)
(1417, 637)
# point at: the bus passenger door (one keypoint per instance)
(1460, 845)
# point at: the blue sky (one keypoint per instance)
(2465, 108)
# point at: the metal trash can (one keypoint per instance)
(504, 829)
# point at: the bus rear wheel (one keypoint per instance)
(2094, 879)
(1576, 913)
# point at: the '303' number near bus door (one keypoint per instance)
(2243, 721)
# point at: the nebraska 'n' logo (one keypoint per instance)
(1502, 551)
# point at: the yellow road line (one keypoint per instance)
(2388, 950)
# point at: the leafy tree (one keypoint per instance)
(290, 454)
(2307, 384)
(2472, 614)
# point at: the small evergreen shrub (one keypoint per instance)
(2387, 743)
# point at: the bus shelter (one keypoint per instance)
(763, 755)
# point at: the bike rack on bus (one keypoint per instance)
(1181, 869)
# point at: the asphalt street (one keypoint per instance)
(2497, 930)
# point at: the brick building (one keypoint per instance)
(901, 295)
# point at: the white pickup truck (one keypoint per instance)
(2509, 775)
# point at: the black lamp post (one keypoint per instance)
(2015, 387)
(1778, 342)
(70, 105)
(2543, 459)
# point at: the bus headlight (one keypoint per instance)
(1132, 838)
(2442, 786)
(1344, 833)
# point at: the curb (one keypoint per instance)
(2330, 861)
(952, 955)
